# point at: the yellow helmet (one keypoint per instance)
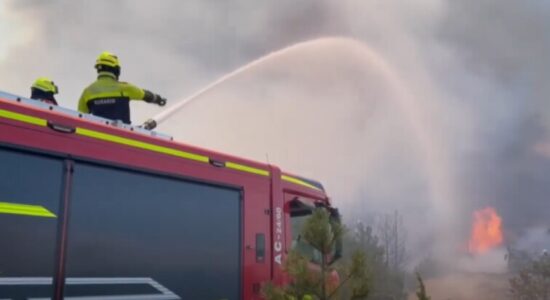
(107, 59)
(46, 85)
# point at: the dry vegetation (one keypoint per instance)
(467, 286)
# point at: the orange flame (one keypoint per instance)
(486, 231)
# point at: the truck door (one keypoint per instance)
(30, 192)
(138, 235)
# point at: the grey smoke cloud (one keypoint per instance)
(505, 43)
(477, 70)
(167, 46)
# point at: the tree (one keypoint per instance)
(421, 293)
(533, 282)
(393, 235)
(322, 234)
(383, 242)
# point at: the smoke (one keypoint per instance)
(337, 107)
(535, 241)
(448, 114)
(503, 45)
(11, 31)
(493, 262)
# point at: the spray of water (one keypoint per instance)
(165, 114)
(412, 110)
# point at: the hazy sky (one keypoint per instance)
(476, 73)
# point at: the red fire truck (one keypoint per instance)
(94, 209)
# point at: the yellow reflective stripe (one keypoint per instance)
(133, 143)
(243, 168)
(164, 150)
(299, 182)
(25, 209)
(22, 118)
(115, 94)
(141, 145)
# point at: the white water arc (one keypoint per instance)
(167, 113)
(435, 157)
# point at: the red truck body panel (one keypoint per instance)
(264, 187)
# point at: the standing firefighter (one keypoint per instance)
(109, 98)
(43, 90)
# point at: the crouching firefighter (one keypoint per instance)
(43, 89)
(109, 98)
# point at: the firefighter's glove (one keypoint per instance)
(154, 98)
(160, 101)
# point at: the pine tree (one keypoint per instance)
(321, 233)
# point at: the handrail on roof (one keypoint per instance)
(87, 117)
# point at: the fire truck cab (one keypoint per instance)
(94, 209)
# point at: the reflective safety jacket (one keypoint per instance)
(109, 98)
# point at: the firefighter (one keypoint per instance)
(43, 89)
(109, 98)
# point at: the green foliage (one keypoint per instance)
(421, 293)
(317, 283)
(533, 282)
(320, 232)
(305, 282)
(386, 279)
(358, 276)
